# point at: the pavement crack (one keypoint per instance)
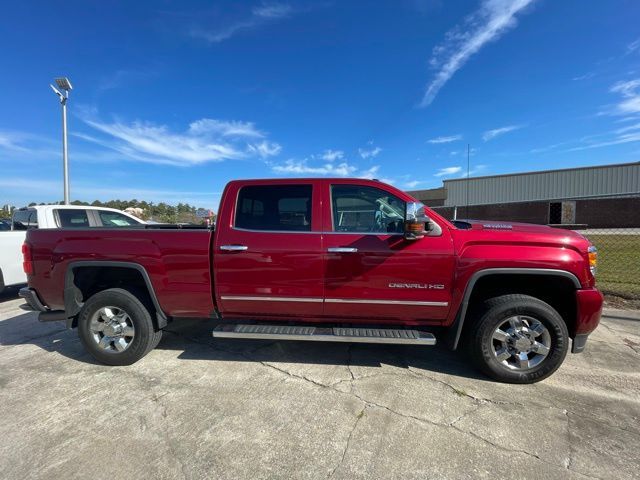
(569, 459)
(463, 393)
(359, 417)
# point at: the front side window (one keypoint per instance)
(362, 209)
(73, 218)
(115, 219)
(274, 207)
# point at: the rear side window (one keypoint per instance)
(274, 207)
(73, 218)
(115, 219)
(25, 219)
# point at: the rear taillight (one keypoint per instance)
(27, 260)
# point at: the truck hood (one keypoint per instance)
(523, 228)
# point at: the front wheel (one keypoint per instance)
(519, 339)
(116, 327)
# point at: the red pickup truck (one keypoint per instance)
(345, 260)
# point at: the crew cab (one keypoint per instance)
(49, 216)
(345, 260)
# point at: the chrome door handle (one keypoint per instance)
(342, 250)
(234, 248)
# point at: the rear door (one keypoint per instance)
(371, 271)
(267, 257)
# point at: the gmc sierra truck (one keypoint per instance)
(342, 260)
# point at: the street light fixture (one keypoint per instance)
(65, 85)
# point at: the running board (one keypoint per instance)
(325, 334)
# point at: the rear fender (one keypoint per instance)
(73, 296)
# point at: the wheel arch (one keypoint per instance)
(503, 273)
(75, 295)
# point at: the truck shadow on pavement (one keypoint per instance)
(192, 338)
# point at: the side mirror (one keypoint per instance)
(416, 223)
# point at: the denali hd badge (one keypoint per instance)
(424, 286)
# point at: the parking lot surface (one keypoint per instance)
(196, 407)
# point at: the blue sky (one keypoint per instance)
(172, 99)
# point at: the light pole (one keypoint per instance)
(65, 85)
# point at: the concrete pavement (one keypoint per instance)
(199, 408)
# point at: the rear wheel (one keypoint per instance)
(519, 339)
(116, 327)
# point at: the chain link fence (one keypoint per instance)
(611, 223)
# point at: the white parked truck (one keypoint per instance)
(50, 216)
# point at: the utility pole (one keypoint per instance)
(468, 173)
(65, 85)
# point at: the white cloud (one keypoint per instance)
(205, 140)
(629, 128)
(12, 141)
(488, 23)
(449, 139)
(265, 149)
(369, 153)
(206, 126)
(496, 132)
(342, 169)
(332, 155)
(413, 184)
(272, 10)
(474, 170)
(586, 76)
(447, 171)
(620, 139)
(370, 173)
(27, 146)
(300, 167)
(633, 46)
(260, 15)
(630, 92)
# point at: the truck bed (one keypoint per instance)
(175, 258)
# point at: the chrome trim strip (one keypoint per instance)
(387, 302)
(270, 299)
(242, 298)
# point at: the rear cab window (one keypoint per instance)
(274, 208)
(72, 218)
(25, 219)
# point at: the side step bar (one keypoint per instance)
(325, 334)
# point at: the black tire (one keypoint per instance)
(145, 339)
(496, 311)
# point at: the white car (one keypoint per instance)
(50, 216)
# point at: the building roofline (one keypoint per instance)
(630, 164)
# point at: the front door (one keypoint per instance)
(268, 260)
(373, 273)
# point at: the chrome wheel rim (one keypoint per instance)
(112, 329)
(521, 343)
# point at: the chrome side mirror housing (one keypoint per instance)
(417, 223)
